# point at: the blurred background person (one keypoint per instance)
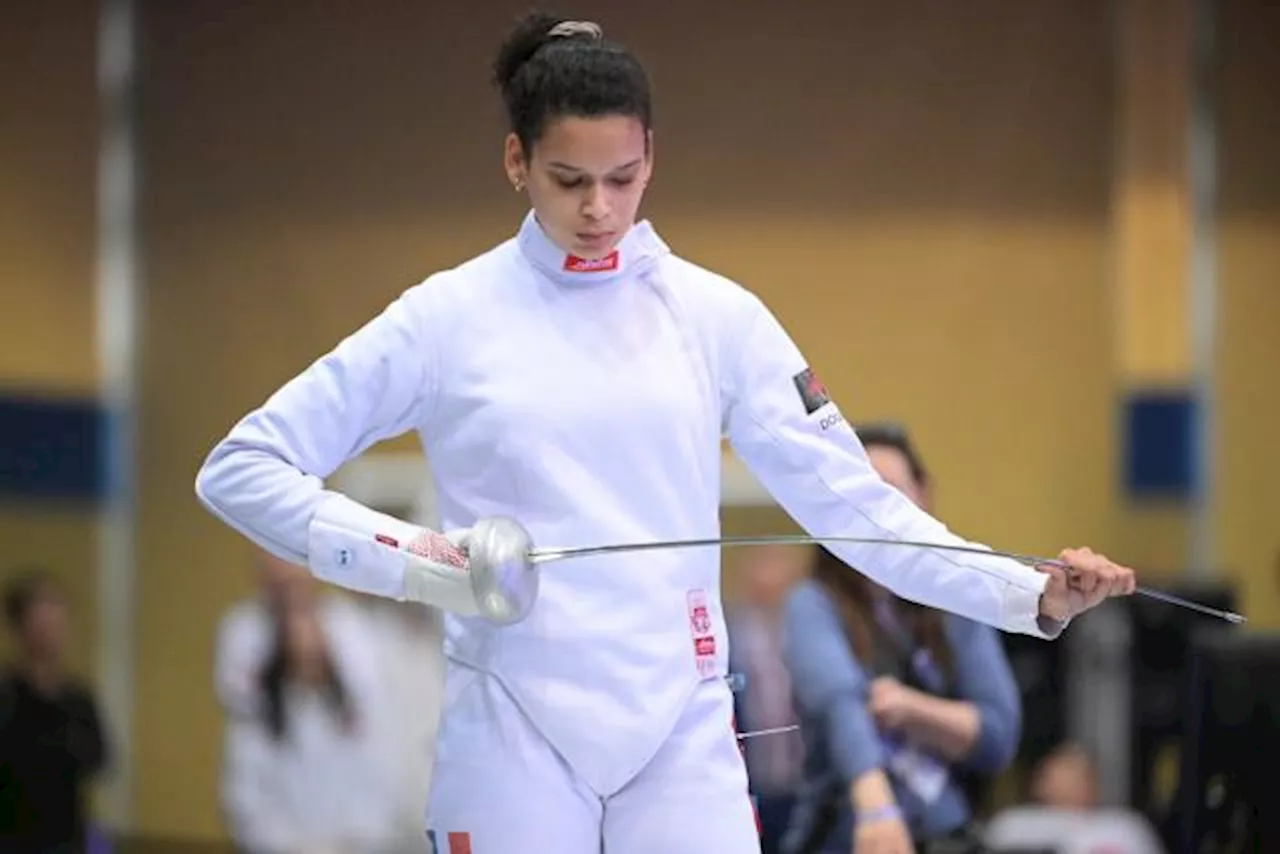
(52, 741)
(895, 701)
(1066, 779)
(305, 750)
(246, 634)
(1065, 817)
(754, 621)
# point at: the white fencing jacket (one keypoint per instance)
(588, 401)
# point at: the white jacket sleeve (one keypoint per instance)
(265, 478)
(781, 423)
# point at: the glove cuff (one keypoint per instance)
(364, 550)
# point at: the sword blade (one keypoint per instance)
(550, 555)
(777, 730)
(547, 555)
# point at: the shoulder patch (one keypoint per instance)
(812, 392)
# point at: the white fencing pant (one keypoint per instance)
(500, 788)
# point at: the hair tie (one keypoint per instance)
(567, 29)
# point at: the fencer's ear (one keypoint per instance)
(513, 161)
(646, 174)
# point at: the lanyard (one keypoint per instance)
(919, 662)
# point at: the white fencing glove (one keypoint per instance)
(361, 549)
(486, 570)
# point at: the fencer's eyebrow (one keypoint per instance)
(556, 164)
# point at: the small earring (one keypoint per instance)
(518, 185)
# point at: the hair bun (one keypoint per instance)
(569, 29)
(532, 32)
(550, 66)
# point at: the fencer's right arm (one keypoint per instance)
(265, 479)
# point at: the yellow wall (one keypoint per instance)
(1248, 443)
(947, 176)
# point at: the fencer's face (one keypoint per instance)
(585, 179)
(892, 466)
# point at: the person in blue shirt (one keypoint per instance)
(897, 701)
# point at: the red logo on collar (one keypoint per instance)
(574, 264)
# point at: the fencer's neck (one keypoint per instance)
(639, 248)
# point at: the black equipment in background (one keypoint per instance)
(1161, 648)
(1226, 801)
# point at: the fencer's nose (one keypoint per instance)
(595, 207)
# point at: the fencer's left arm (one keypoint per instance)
(794, 439)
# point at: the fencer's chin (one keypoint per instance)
(593, 252)
(503, 575)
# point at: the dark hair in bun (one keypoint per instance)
(550, 66)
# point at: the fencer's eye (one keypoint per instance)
(569, 183)
(623, 182)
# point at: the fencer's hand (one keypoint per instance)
(440, 574)
(890, 703)
(1091, 579)
(882, 836)
(448, 549)
(460, 539)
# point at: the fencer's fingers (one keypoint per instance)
(1123, 580)
(1114, 581)
(1110, 579)
(1084, 570)
(1104, 588)
(1130, 581)
(1104, 571)
(1097, 577)
(460, 538)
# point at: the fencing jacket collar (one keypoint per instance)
(638, 249)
